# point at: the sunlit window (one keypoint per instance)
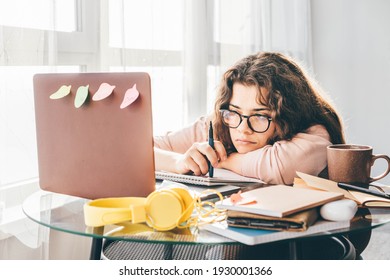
(58, 15)
(18, 158)
(149, 35)
(146, 24)
(185, 46)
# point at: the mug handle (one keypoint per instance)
(374, 158)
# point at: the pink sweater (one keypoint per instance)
(273, 164)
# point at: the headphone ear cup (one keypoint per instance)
(163, 209)
(188, 201)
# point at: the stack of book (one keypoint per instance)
(273, 213)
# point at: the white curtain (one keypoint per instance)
(198, 40)
(185, 45)
(220, 32)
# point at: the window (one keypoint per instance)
(58, 15)
(185, 46)
(28, 34)
(146, 24)
(81, 36)
(148, 36)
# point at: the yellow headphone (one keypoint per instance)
(162, 210)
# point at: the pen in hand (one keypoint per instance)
(211, 143)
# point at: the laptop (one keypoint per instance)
(94, 146)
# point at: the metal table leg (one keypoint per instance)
(294, 251)
(96, 246)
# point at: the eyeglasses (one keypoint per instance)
(257, 122)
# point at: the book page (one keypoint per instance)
(371, 200)
(324, 184)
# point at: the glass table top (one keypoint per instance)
(65, 213)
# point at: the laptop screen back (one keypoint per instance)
(90, 144)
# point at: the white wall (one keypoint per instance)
(351, 43)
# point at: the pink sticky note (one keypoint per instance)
(130, 96)
(238, 199)
(104, 91)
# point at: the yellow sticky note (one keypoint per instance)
(61, 92)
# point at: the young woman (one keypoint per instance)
(270, 121)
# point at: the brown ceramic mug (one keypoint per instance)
(349, 163)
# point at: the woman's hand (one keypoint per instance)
(195, 158)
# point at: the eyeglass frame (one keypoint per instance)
(221, 111)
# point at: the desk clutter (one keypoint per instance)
(256, 216)
(292, 213)
(274, 213)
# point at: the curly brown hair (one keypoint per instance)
(294, 98)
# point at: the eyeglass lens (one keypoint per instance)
(257, 123)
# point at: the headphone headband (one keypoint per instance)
(106, 211)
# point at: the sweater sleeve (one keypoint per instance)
(278, 163)
(180, 141)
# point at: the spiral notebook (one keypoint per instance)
(221, 177)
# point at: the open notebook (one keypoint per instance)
(221, 177)
(307, 181)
